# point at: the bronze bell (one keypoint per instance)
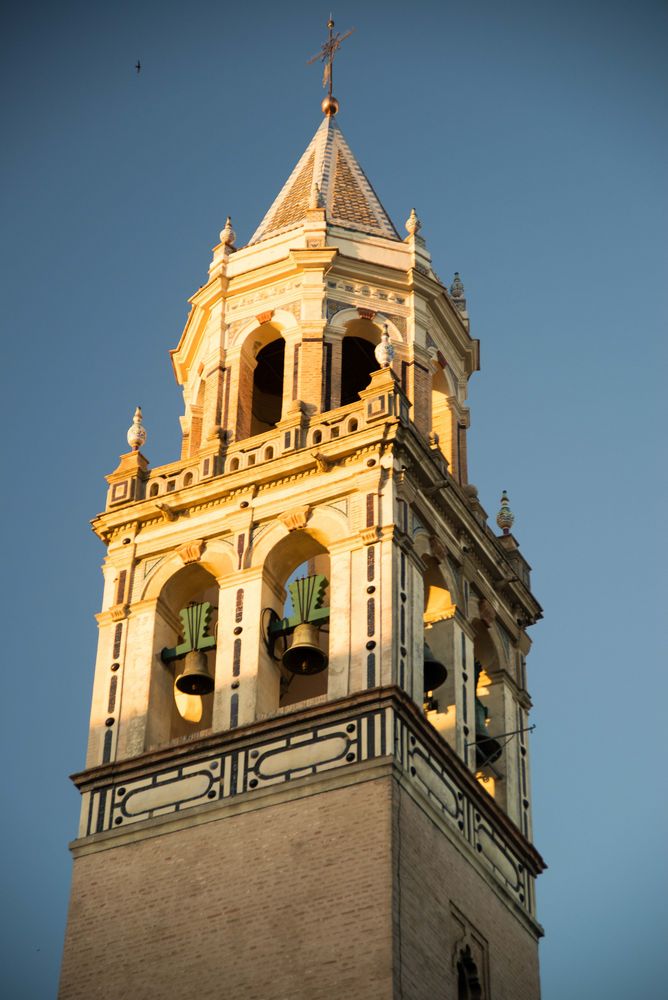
(195, 678)
(487, 749)
(305, 656)
(435, 673)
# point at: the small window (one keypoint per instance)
(154, 490)
(352, 426)
(468, 980)
(317, 437)
(188, 479)
(234, 465)
(269, 454)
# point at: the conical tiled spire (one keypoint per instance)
(345, 193)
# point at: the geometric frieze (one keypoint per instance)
(301, 744)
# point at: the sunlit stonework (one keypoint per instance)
(308, 767)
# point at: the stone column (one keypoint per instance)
(341, 559)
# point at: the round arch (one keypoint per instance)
(281, 320)
(341, 321)
(218, 559)
(325, 525)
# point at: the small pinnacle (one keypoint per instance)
(137, 432)
(413, 224)
(227, 234)
(505, 518)
(457, 288)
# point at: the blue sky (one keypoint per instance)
(531, 138)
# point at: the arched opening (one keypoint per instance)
(357, 358)
(487, 748)
(186, 621)
(469, 986)
(154, 490)
(267, 399)
(442, 423)
(439, 612)
(296, 591)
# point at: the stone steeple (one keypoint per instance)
(346, 194)
(310, 710)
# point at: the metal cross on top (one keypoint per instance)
(326, 55)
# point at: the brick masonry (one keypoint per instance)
(347, 891)
(289, 901)
(431, 876)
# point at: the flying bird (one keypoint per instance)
(138, 66)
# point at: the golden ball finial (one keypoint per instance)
(329, 106)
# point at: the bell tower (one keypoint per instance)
(308, 763)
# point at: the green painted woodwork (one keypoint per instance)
(307, 595)
(195, 618)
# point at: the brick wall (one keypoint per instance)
(291, 901)
(350, 892)
(430, 876)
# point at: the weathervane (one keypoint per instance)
(330, 105)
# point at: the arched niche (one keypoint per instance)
(297, 555)
(172, 714)
(443, 418)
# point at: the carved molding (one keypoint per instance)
(191, 552)
(117, 612)
(295, 518)
(366, 313)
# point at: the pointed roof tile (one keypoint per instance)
(345, 191)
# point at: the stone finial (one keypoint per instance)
(505, 518)
(457, 288)
(384, 351)
(317, 200)
(227, 234)
(137, 432)
(413, 224)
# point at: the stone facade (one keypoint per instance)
(274, 834)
